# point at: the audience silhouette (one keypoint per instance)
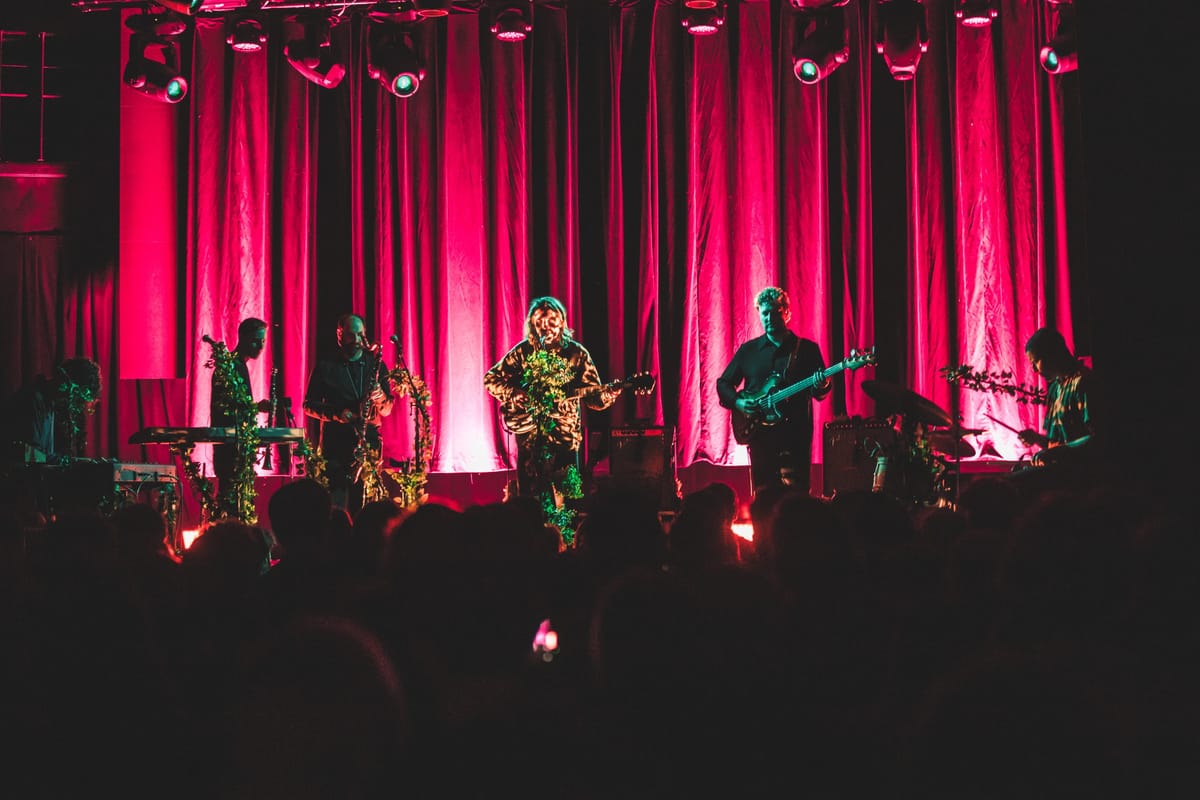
(1009, 646)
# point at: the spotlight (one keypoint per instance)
(392, 61)
(703, 17)
(1060, 54)
(193, 7)
(819, 46)
(975, 13)
(432, 8)
(512, 20)
(312, 54)
(811, 5)
(901, 37)
(158, 78)
(247, 36)
(182, 6)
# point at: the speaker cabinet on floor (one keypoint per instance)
(643, 458)
(852, 446)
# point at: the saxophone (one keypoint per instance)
(367, 459)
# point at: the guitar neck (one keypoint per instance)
(807, 383)
(579, 393)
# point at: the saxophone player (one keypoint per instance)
(348, 393)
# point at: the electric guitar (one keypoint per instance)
(517, 418)
(765, 410)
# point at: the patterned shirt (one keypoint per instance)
(506, 378)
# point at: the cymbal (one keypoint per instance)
(945, 443)
(906, 402)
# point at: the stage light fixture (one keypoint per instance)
(431, 9)
(901, 36)
(193, 7)
(1060, 54)
(246, 35)
(158, 78)
(312, 53)
(512, 20)
(392, 59)
(975, 13)
(703, 20)
(813, 5)
(819, 46)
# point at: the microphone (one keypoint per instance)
(208, 339)
(394, 338)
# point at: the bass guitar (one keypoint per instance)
(518, 419)
(765, 402)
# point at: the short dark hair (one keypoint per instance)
(1047, 343)
(83, 372)
(250, 326)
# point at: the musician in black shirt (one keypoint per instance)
(348, 394)
(780, 449)
(225, 399)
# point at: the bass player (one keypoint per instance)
(779, 440)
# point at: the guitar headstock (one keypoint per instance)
(639, 382)
(861, 358)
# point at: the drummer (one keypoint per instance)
(915, 472)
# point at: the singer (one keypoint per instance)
(347, 394)
(540, 384)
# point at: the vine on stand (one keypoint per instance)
(234, 399)
(410, 477)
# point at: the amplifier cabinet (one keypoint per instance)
(643, 458)
(852, 445)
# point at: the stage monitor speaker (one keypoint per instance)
(643, 458)
(852, 447)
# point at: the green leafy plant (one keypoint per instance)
(410, 479)
(994, 383)
(544, 378)
(235, 401)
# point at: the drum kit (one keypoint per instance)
(929, 441)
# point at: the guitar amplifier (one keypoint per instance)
(852, 445)
(642, 458)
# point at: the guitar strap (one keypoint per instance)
(792, 356)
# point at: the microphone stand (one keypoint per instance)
(412, 389)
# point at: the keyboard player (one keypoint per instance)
(251, 341)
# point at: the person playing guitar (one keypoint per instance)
(779, 438)
(541, 383)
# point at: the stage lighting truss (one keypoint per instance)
(512, 20)
(819, 46)
(1060, 54)
(976, 13)
(702, 17)
(901, 36)
(311, 54)
(393, 60)
(158, 78)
